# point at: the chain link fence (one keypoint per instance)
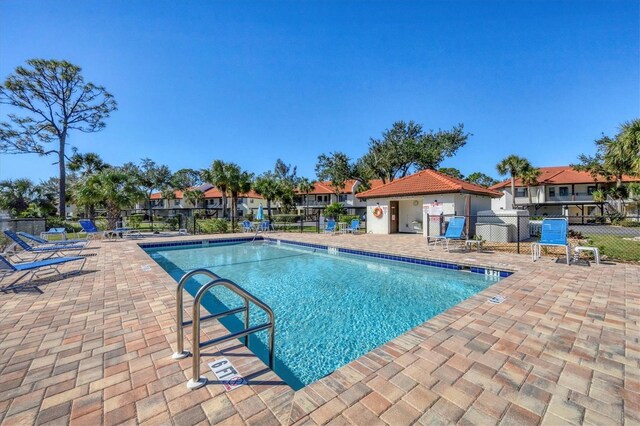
(617, 238)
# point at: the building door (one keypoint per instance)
(393, 217)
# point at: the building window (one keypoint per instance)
(564, 191)
(552, 192)
(342, 198)
(591, 190)
(522, 192)
(176, 203)
(250, 200)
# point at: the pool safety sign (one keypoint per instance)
(227, 374)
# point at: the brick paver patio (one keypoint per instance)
(564, 348)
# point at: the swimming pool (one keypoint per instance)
(329, 308)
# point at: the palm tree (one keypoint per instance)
(267, 186)
(513, 166)
(239, 182)
(306, 186)
(16, 195)
(629, 146)
(193, 196)
(112, 188)
(529, 178)
(217, 176)
(86, 165)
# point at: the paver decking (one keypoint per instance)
(563, 348)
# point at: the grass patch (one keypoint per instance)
(616, 247)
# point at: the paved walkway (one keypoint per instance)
(96, 348)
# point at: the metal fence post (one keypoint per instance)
(318, 223)
(518, 232)
(428, 223)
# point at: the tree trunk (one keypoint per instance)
(224, 203)
(62, 196)
(269, 208)
(112, 217)
(529, 192)
(513, 191)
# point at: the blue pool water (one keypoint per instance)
(329, 309)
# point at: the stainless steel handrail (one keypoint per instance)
(180, 353)
(198, 381)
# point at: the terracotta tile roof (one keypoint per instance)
(158, 195)
(209, 190)
(215, 193)
(427, 182)
(559, 175)
(321, 188)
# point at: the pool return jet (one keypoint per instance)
(198, 381)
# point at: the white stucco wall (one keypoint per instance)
(408, 212)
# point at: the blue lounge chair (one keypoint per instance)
(455, 232)
(43, 242)
(330, 227)
(7, 268)
(353, 228)
(51, 250)
(89, 228)
(554, 234)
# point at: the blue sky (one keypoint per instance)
(251, 82)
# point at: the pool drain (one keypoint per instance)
(496, 300)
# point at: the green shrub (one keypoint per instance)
(348, 218)
(135, 220)
(213, 226)
(4, 243)
(56, 222)
(334, 210)
(629, 223)
(286, 218)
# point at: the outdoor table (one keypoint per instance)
(54, 231)
(342, 227)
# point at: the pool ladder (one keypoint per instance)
(198, 381)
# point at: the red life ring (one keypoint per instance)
(377, 212)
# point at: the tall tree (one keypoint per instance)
(305, 186)
(239, 183)
(513, 166)
(615, 156)
(529, 177)
(217, 176)
(150, 177)
(407, 147)
(336, 168)
(113, 188)
(451, 171)
(50, 99)
(267, 186)
(184, 179)
(481, 179)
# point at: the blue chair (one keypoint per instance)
(353, 228)
(7, 268)
(246, 226)
(265, 226)
(51, 250)
(554, 234)
(454, 232)
(330, 227)
(89, 228)
(42, 241)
